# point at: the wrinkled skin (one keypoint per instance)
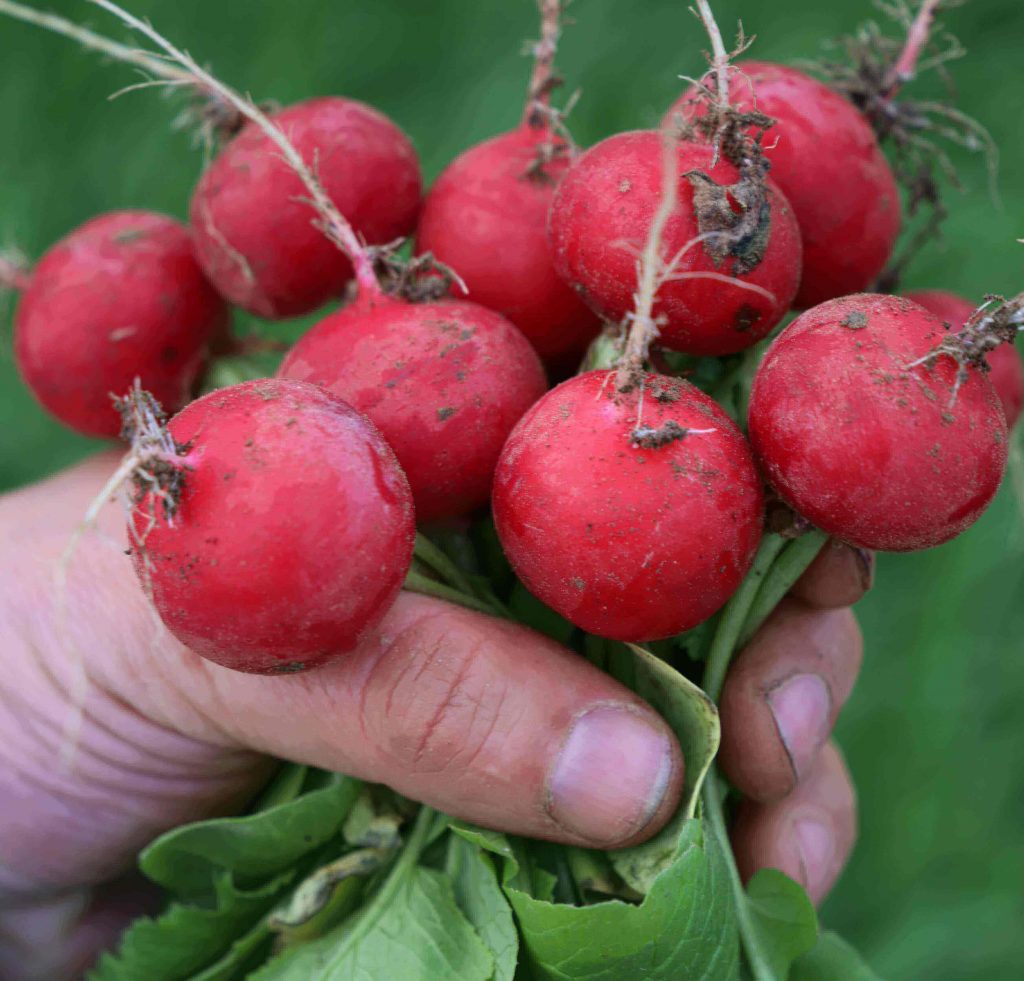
(871, 451)
(1006, 370)
(445, 382)
(466, 713)
(599, 224)
(628, 542)
(118, 298)
(254, 227)
(828, 163)
(294, 531)
(486, 218)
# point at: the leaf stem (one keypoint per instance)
(777, 565)
(734, 616)
(428, 553)
(714, 812)
(417, 582)
(396, 878)
(790, 565)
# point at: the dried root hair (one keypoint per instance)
(872, 69)
(997, 321)
(209, 116)
(540, 113)
(327, 218)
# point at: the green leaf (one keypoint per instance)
(185, 940)
(285, 786)
(418, 933)
(188, 860)
(245, 954)
(832, 959)
(478, 895)
(521, 871)
(490, 841)
(694, 719)
(684, 928)
(785, 920)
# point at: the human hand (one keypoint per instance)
(482, 719)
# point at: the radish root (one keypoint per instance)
(539, 114)
(329, 219)
(997, 321)
(216, 117)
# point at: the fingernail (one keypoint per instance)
(817, 848)
(801, 706)
(611, 775)
(866, 567)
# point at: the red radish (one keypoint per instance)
(486, 218)
(711, 303)
(293, 533)
(1007, 372)
(866, 446)
(444, 381)
(252, 225)
(631, 527)
(826, 159)
(482, 398)
(118, 298)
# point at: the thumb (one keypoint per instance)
(480, 718)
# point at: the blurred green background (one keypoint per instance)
(934, 734)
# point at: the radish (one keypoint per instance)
(734, 261)
(628, 501)
(118, 298)
(252, 228)
(1006, 374)
(496, 374)
(280, 529)
(486, 218)
(634, 515)
(827, 161)
(444, 381)
(869, 429)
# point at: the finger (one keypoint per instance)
(60, 937)
(809, 835)
(839, 576)
(782, 696)
(483, 719)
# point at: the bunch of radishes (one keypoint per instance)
(274, 525)
(272, 522)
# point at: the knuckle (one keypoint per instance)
(430, 704)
